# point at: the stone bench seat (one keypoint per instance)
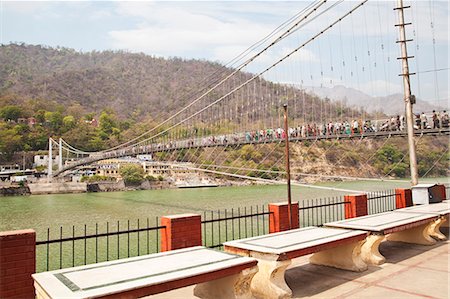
(410, 227)
(338, 248)
(441, 209)
(216, 275)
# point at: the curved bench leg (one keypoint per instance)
(231, 287)
(434, 229)
(416, 235)
(269, 282)
(447, 221)
(369, 251)
(347, 257)
(40, 293)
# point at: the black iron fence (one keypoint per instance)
(316, 212)
(74, 246)
(232, 224)
(381, 201)
(69, 247)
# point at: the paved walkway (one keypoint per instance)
(411, 271)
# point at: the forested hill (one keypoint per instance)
(132, 85)
(128, 83)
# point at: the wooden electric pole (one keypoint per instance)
(288, 168)
(407, 92)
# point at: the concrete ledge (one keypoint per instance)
(56, 188)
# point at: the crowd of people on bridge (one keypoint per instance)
(423, 121)
(438, 120)
(396, 123)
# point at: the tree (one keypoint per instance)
(132, 174)
(40, 116)
(10, 141)
(107, 122)
(11, 112)
(56, 120)
(69, 122)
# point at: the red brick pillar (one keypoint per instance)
(441, 191)
(357, 206)
(17, 263)
(279, 217)
(403, 198)
(181, 231)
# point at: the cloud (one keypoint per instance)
(176, 31)
(25, 7)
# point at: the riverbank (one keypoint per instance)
(41, 188)
(13, 190)
(119, 186)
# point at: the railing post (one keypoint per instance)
(403, 198)
(181, 231)
(17, 263)
(279, 217)
(356, 207)
(441, 191)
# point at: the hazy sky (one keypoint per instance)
(360, 52)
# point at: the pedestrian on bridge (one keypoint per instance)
(436, 120)
(423, 120)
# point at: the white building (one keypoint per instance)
(42, 160)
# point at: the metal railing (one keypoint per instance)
(110, 241)
(73, 246)
(381, 201)
(232, 224)
(316, 212)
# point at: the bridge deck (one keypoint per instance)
(184, 144)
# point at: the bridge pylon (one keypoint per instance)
(50, 160)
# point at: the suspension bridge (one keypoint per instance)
(321, 44)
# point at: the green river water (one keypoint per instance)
(73, 211)
(42, 211)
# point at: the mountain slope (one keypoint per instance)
(142, 86)
(390, 105)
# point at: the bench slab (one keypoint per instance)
(385, 223)
(411, 227)
(294, 243)
(141, 276)
(442, 209)
(338, 248)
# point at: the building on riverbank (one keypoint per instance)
(179, 171)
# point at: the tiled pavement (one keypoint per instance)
(411, 271)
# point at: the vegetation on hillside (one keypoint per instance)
(323, 160)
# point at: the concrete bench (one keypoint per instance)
(394, 226)
(441, 209)
(338, 248)
(217, 275)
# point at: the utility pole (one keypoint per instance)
(288, 167)
(409, 100)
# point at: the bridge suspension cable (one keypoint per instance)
(237, 70)
(255, 76)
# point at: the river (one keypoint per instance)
(40, 212)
